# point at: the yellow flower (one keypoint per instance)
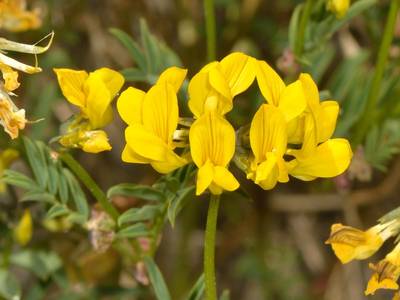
(350, 243)
(14, 16)
(387, 272)
(338, 7)
(11, 118)
(212, 145)
(153, 118)
(23, 230)
(93, 94)
(268, 139)
(217, 83)
(319, 155)
(396, 296)
(289, 99)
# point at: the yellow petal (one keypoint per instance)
(292, 102)
(23, 231)
(10, 77)
(268, 132)
(219, 82)
(212, 138)
(71, 84)
(173, 161)
(310, 90)
(174, 76)
(160, 111)
(130, 105)
(327, 124)
(204, 177)
(239, 71)
(145, 143)
(375, 283)
(130, 156)
(97, 141)
(199, 89)
(225, 179)
(112, 79)
(269, 82)
(98, 100)
(330, 159)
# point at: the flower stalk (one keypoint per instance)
(209, 248)
(373, 95)
(90, 184)
(210, 29)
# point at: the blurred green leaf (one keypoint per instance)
(179, 201)
(18, 179)
(156, 279)
(135, 190)
(57, 210)
(10, 288)
(37, 160)
(197, 291)
(147, 212)
(40, 196)
(133, 231)
(225, 295)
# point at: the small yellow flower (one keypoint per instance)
(14, 16)
(6, 159)
(217, 83)
(319, 156)
(11, 118)
(338, 7)
(93, 94)
(350, 243)
(23, 230)
(289, 99)
(268, 139)
(212, 145)
(387, 272)
(153, 118)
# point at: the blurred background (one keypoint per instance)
(270, 244)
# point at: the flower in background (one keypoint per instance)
(152, 120)
(11, 117)
(338, 7)
(6, 159)
(217, 83)
(16, 17)
(93, 94)
(212, 145)
(387, 272)
(23, 230)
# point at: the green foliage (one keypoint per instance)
(156, 279)
(198, 289)
(51, 183)
(151, 56)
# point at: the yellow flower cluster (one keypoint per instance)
(289, 134)
(350, 243)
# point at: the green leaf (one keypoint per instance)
(41, 263)
(134, 74)
(53, 181)
(20, 180)
(133, 231)
(77, 194)
(294, 25)
(37, 161)
(57, 210)
(150, 47)
(135, 190)
(38, 196)
(144, 213)
(156, 279)
(62, 186)
(10, 289)
(182, 198)
(197, 291)
(133, 48)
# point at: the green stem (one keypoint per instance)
(210, 30)
(305, 16)
(90, 184)
(209, 249)
(373, 95)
